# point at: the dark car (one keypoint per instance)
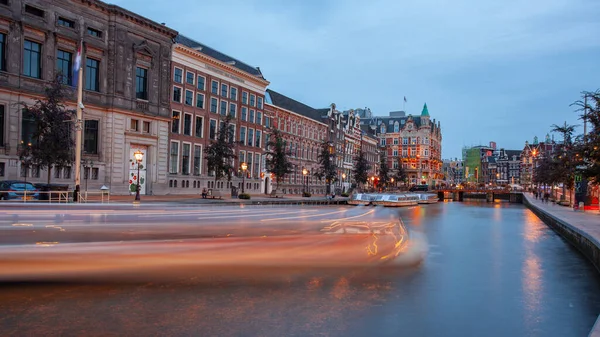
(418, 188)
(18, 190)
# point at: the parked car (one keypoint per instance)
(18, 190)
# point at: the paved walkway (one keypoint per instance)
(197, 199)
(585, 223)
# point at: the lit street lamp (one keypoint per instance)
(244, 168)
(343, 181)
(304, 182)
(139, 155)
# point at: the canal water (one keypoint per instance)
(490, 270)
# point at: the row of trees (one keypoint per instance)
(578, 155)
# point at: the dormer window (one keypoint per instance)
(382, 128)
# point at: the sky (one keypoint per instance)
(502, 71)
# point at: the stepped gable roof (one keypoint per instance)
(287, 103)
(208, 51)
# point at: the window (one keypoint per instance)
(252, 99)
(146, 127)
(189, 97)
(395, 141)
(177, 94)
(90, 135)
(94, 32)
(185, 155)
(232, 109)
(200, 101)
(268, 124)
(187, 124)
(214, 87)
(242, 156)
(32, 57)
(28, 127)
(395, 153)
(249, 162)
(259, 118)
(250, 137)
(134, 125)
(197, 159)
(413, 141)
(244, 113)
(201, 81)
(224, 89)
(382, 141)
(382, 128)
(175, 122)
(405, 141)
(95, 172)
(66, 22)
(212, 132)
(251, 119)
(92, 69)
(232, 133)
(243, 135)
(174, 158)
(2, 51)
(1, 125)
(244, 97)
(213, 105)
(396, 127)
(178, 75)
(223, 108)
(64, 66)
(404, 152)
(141, 83)
(189, 77)
(256, 165)
(259, 103)
(34, 11)
(233, 94)
(199, 126)
(67, 172)
(258, 144)
(2, 170)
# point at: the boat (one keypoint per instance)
(396, 200)
(360, 199)
(428, 198)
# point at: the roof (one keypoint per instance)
(425, 112)
(290, 104)
(208, 51)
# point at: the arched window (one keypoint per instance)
(382, 128)
(396, 127)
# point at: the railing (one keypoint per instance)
(53, 196)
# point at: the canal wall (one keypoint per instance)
(588, 244)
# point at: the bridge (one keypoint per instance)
(488, 195)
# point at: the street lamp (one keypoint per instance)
(244, 168)
(139, 155)
(304, 180)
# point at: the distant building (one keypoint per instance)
(509, 166)
(531, 156)
(476, 162)
(453, 171)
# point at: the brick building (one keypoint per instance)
(205, 86)
(125, 59)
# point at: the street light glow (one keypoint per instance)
(304, 171)
(244, 166)
(139, 155)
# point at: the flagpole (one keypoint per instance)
(78, 128)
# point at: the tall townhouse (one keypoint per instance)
(416, 140)
(205, 86)
(304, 132)
(126, 64)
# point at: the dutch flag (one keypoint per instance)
(77, 65)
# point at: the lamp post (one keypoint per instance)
(304, 181)
(244, 168)
(392, 181)
(343, 181)
(139, 155)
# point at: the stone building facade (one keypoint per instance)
(304, 132)
(416, 140)
(205, 86)
(125, 59)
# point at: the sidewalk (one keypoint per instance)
(586, 223)
(197, 199)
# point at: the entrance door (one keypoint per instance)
(267, 185)
(133, 169)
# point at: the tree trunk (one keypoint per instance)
(49, 173)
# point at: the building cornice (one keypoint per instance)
(224, 66)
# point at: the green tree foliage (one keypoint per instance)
(221, 152)
(565, 156)
(278, 161)
(384, 169)
(52, 142)
(400, 173)
(361, 169)
(327, 169)
(588, 147)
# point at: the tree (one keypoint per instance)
(566, 169)
(221, 152)
(277, 157)
(51, 141)
(328, 169)
(361, 169)
(400, 173)
(588, 148)
(384, 169)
